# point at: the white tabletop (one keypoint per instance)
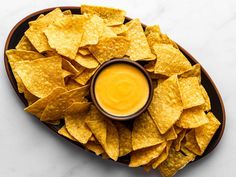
(207, 29)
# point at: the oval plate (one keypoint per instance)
(217, 107)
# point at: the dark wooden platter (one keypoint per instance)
(217, 103)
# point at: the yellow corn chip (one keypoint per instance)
(29, 97)
(65, 35)
(166, 106)
(38, 107)
(191, 92)
(192, 118)
(71, 84)
(174, 162)
(93, 29)
(191, 142)
(24, 44)
(105, 132)
(170, 60)
(63, 131)
(125, 139)
(177, 142)
(75, 121)
(108, 32)
(119, 29)
(108, 48)
(84, 51)
(20, 55)
(56, 108)
(84, 77)
(141, 138)
(144, 156)
(66, 74)
(207, 105)
(110, 16)
(170, 134)
(40, 76)
(87, 61)
(139, 48)
(205, 133)
(150, 66)
(35, 32)
(195, 71)
(67, 12)
(94, 147)
(67, 65)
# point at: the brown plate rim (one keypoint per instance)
(53, 128)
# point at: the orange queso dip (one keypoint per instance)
(121, 89)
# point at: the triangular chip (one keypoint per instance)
(84, 77)
(195, 71)
(65, 35)
(56, 108)
(177, 142)
(145, 133)
(111, 16)
(207, 105)
(166, 106)
(29, 97)
(170, 60)
(191, 142)
(192, 118)
(170, 134)
(94, 147)
(110, 47)
(40, 76)
(71, 84)
(35, 32)
(144, 156)
(191, 92)
(139, 48)
(75, 121)
(119, 29)
(38, 107)
(87, 61)
(25, 44)
(67, 65)
(63, 131)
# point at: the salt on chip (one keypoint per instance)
(191, 92)
(144, 156)
(177, 142)
(174, 162)
(111, 16)
(125, 139)
(205, 133)
(24, 44)
(65, 35)
(93, 29)
(57, 107)
(141, 138)
(207, 105)
(63, 131)
(40, 76)
(75, 121)
(20, 55)
(94, 147)
(192, 118)
(38, 107)
(195, 71)
(166, 106)
(87, 61)
(139, 48)
(170, 60)
(84, 77)
(35, 33)
(110, 47)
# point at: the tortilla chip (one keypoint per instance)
(141, 138)
(57, 107)
(71, 84)
(65, 35)
(87, 61)
(84, 77)
(29, 97)
(170, 60)
(166, 106)
(24, 44)
(67, 65)
(177, 142)
(144, 156)
(119, 29)
(40, 76)
(93, 29)
(205, 133)
(150, 66)
(38, 107)
(110, 16)
(174, 162)
(105, 132)
(207, 105)
(191, 92)
(125, 139)
(75, 121)
(195, 71)
(35, 32)
(84, 51)
(139, 48)
(191, 142)
(108, 32)
(170, 134)
(192, 118)
(67, 12)
(94, 147)
(66, 74)
(108, 48)
(63, 131)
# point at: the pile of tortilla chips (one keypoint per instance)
(60, 52)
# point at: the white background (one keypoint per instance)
(207, 29)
